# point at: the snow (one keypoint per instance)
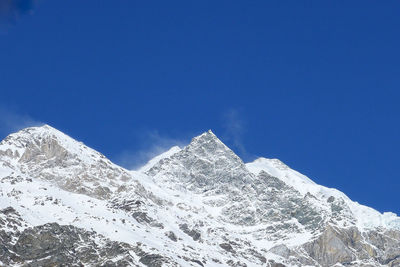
(276, 168)
(78, 210)
(367, 217)
(40, 201)
(4, 171)
(156, 159)
(18, 141)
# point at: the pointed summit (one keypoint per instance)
(208, 133)
(209, 145)
(205, 164)
(206, 137)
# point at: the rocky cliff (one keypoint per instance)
(64, 204)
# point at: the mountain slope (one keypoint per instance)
(366, 217)
(64, 203)
(46, 153)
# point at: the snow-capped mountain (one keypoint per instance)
(64, 204)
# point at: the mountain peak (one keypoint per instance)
(205, 164)
(47, 153)
(207, 141)
(39, 138)
(31, 133)
(202, 196)
(44, 128)
(208, 135)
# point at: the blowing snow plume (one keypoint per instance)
(234, 129)
(156, 144)
(12, 10)
(11, 121)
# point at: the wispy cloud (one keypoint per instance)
(234, 125)
(154, 144)
(12, 121)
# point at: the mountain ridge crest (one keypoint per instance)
(197, 202)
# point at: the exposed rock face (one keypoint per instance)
(348, 245)
(206, 164)
(65, 245)
(329, 249)
(64, 204)
(46, 153)
(56, 245)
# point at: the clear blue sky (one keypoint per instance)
(313, 84)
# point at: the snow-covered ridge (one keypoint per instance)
(18, 142)
(206, 164)
(366, 217)
(156, 159)
(46, 153)
(278, 169)
(198, 202)
(205, 147)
